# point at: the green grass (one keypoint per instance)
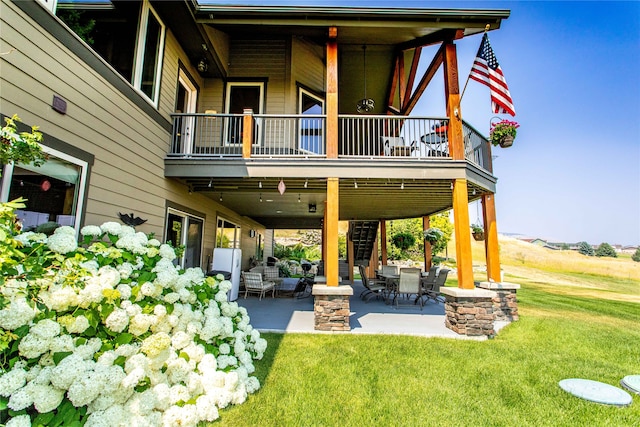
(345, 380)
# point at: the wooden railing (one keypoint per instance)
(303, 136)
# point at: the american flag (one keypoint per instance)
(487, 71)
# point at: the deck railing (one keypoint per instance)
(304, 136)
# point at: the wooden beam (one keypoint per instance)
(247, 133)
(491, 237)
(331, 223)
(452, 99)
(332, 94)
(424, 82)
(433, 38)
(402, 83)
(412, 76)
(428, 253)
(383, 241)
(464, 261)
(350, 256)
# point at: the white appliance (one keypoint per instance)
(227, 259)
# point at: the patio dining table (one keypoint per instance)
(391, 282)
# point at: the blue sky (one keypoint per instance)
(572, 67)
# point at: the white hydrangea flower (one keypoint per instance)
(206, 408)
(125, 269)
(65, 229)
(80, 325)
(125, 291)
(91, 230)
(224, 348)
(62, 298)
(139, 324)
(18, 313)
(178, 393)
(62, 243)
(62, 343)
(154, 242)
(127, 230)
(160, 310)
(12, 381)
(163, 396)
(19, 421)
(171, 297)
(167, 252)
(46, 398)
(186, 415)
(118, 320)
(21, 399)
(111, 228)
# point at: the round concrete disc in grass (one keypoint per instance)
(596, 391)
(631, 383)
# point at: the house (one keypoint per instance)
(217, 124)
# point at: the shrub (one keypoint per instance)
(108, 331)
(636, 255)
(585, 249)
(606, 250)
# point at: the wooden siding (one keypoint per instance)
(128, 145)
(307, 68)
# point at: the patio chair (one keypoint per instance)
(430, 280)
(434, 292)
(389, 269)
(372, 287)
(408, 284)
(253, 283)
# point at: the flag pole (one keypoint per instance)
(486, 29)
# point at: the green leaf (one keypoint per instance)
(120, 361)
(184, 355)
(22, 331)
(43, 419)
(3, 403)
(59, 356)
(124, 338)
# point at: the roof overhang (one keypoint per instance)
(387, 26)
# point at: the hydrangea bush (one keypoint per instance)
(107, 331)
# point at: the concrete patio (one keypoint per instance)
(295, 315)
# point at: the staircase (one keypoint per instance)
(364, 235)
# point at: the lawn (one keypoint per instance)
(511, 380)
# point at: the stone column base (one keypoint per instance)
(331, 307)
(505, 303)
(469, 311)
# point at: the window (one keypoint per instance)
(148, 61)
(311, 129)
(227, 234)
(186, 230)
(54, 191)
(241, 96)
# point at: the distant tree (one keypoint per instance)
(564, 247)
(585, 249)
(605, 250)
(636, 255)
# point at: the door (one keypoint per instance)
(186, 100)
(186, 230)
(242, 96)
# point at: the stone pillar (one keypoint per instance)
(469, 311)
(505, 303)
(331, 307)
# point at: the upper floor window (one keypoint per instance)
(148, 61)
(128, 35)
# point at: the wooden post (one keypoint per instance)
(383, 241)
(452, 97)
(247, 132)
(373, 261)
(428, 254)
(491, 237)
(331, 224)
(350, 255)
(463, 234)
(332, 94)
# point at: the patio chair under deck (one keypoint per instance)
(408, 284)
(253, 283)
(373, 288)
(434, 292)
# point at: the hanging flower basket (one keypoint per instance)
(506, 141)
(477, 231)
(403, 241)
(503, 133)
(432, 235)
(478, 236)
